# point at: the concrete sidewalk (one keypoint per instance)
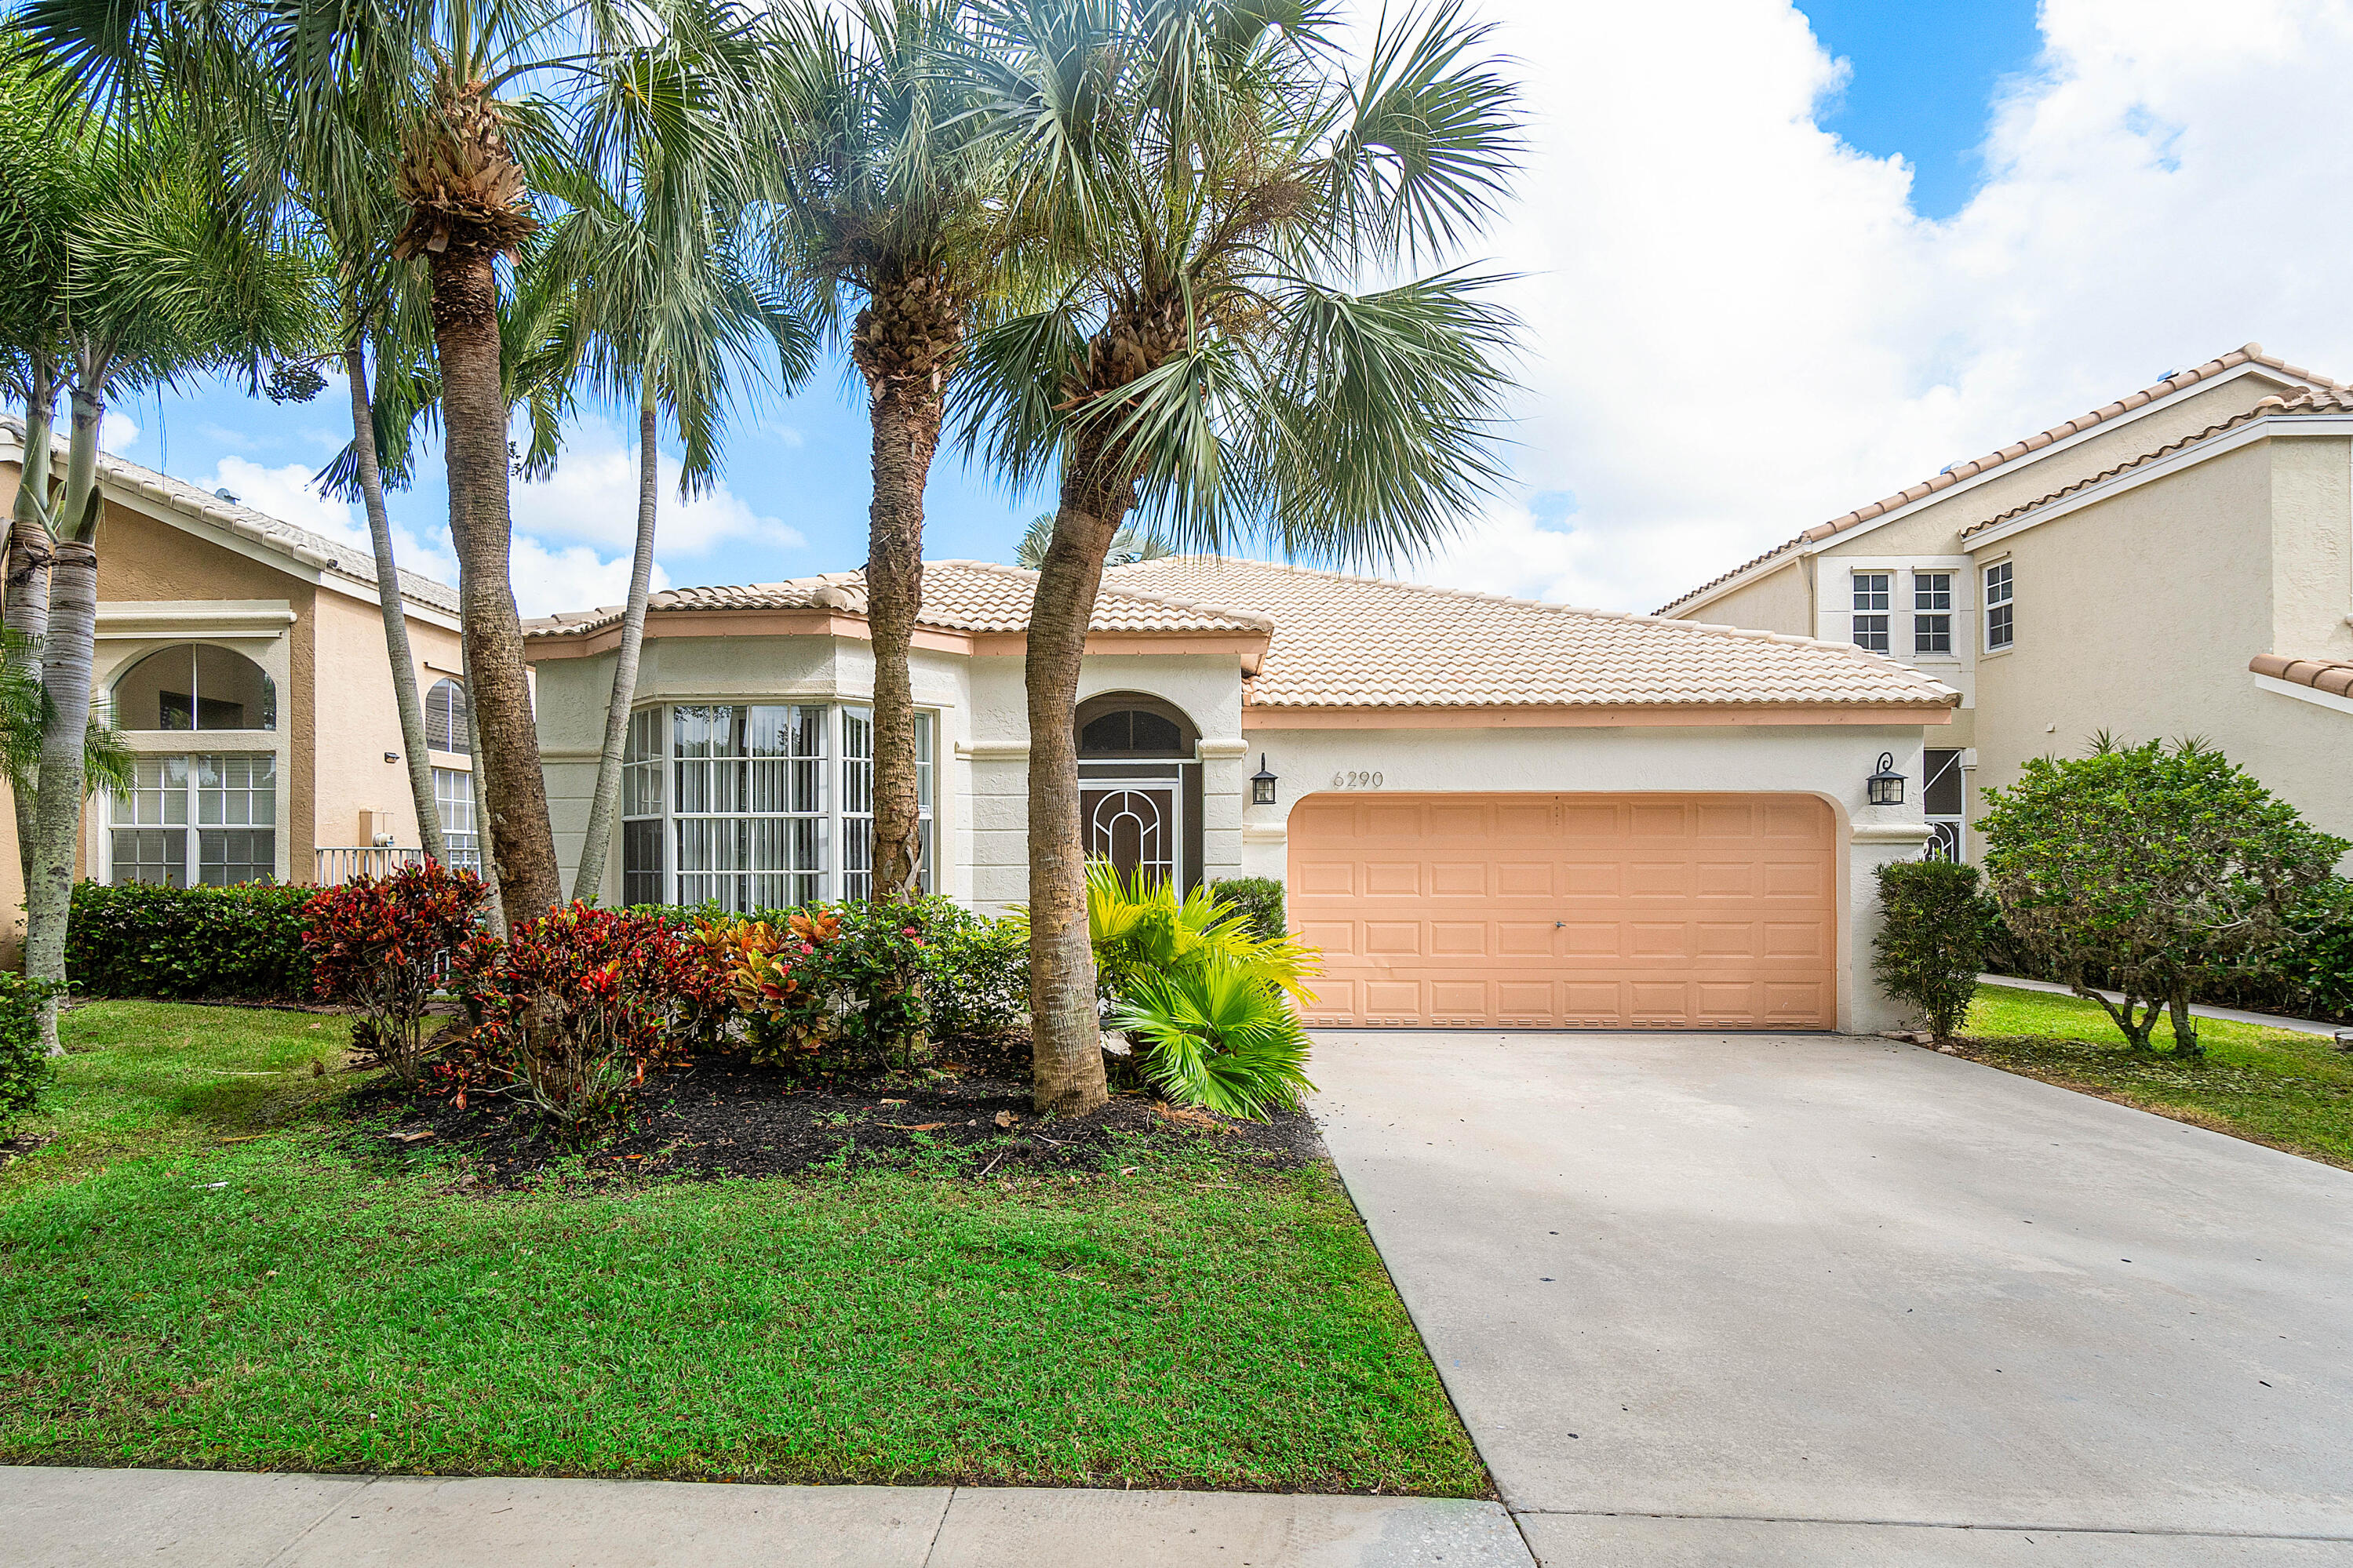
(205, 1519)
(2197, 1009)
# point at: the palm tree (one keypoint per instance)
(165, 270)
(648, 299)
(458, 79)
(1128, 546)
(1209, 180)
(885, 207)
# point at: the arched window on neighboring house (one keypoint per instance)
(1140, 785)
(208, 816)
(444, 719)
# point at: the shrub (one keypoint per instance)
(381, 946)
(141, 939)
(1217, 1035)
(2164, 867)
(568, 1013)
(1257, 899)
(24, 1065)
(1931, 942)
(983, 977)
(866, 984)
(1200, 995)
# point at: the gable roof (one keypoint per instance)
(2331, 400)
(2180, 381)
(314, 550)
(1341, 641)
(958, 596)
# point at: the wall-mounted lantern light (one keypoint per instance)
(1886, 787)
(1261, 783)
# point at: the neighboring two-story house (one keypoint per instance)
(243, 659)
(2178, 563)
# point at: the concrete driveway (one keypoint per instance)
(1758, 1299)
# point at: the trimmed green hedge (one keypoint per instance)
(1259, 899)
(186, 943)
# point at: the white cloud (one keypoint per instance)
(1737, 326)
(593, 497)
(116, 432)
(547, 577)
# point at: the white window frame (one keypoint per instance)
(857, 833)
(453, 802)
(190, 827)
(1872, 610)
(2006, 604)
(651, 793)
(1922, 613)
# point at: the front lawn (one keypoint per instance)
(208, 1264)
(2293, 1091)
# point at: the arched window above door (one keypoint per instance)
(195, 686)
(1120, 725)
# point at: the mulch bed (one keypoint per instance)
(727, 1116)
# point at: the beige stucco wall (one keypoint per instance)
(1780, 601)
(1828, 762)
(359, 719)
(2137, 614)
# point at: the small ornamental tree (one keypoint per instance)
(2164, 866)
(1931, 943)
(381, 945)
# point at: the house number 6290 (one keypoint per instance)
(1355, 781)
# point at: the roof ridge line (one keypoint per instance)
(2263, 409)
(1945, 478)
(1169, 601)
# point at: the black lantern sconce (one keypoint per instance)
(1261, 783)
(1884, 787)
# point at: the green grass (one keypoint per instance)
(201, 1270)
(2291, 1090)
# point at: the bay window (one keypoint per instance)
(217, 813)
(738, 805)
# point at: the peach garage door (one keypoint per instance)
(1586, 912)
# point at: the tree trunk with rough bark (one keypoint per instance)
(413, 744)
(1066, 1033)
(26, 609)
(66, 676)
(906, 433)
(520, 842)
(2185, 1024)
(589, 879)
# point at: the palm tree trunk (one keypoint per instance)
(474, 427)
(1066, 1034)
(906, 419)
(496, 908)
(590, 877)
(66, 674)
(26, 610)
(395, 616)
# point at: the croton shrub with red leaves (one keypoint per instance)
(381, 944)
(573, 1012)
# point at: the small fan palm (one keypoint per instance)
(1128, 547)
(1217, 1035)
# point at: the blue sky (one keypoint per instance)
(1932, 225)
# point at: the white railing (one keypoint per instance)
(337, 864)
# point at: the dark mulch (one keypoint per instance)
(727, 1116)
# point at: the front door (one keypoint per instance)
(1134, 826)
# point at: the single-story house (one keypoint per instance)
(1487, 811)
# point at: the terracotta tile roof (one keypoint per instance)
(2332, 676)
(1342, 641)
(312, 550)
(958, 595)
(2180, 381)
(2331, 400)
